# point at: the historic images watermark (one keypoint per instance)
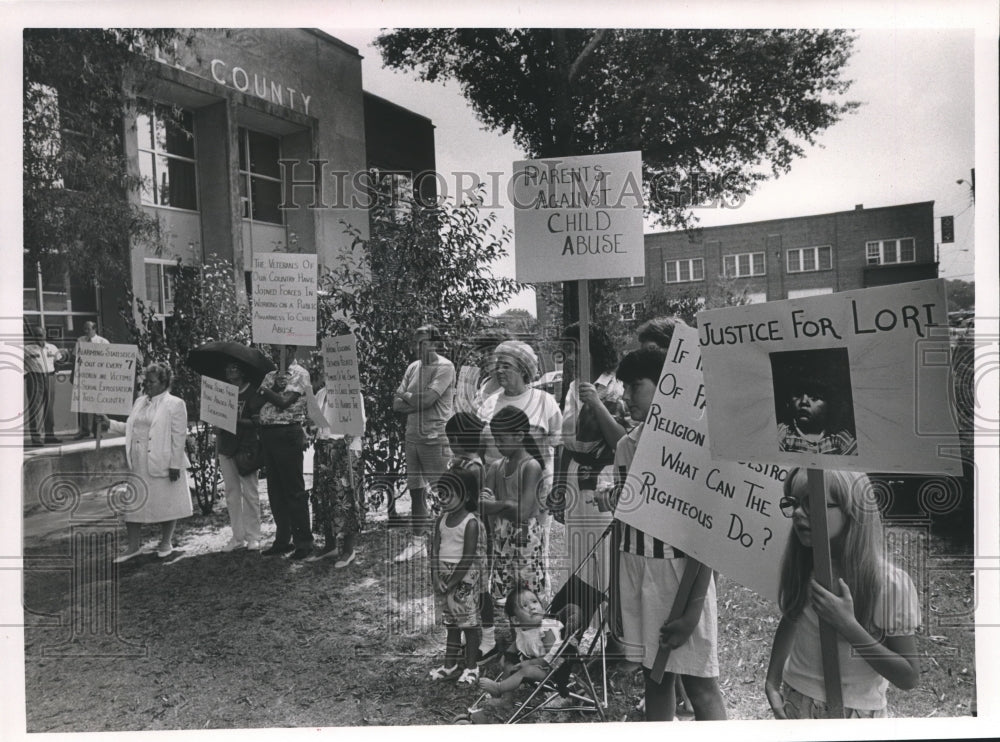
(313, 184)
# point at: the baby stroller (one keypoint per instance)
(569, 685)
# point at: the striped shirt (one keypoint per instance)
(842, 442)
(631, 539)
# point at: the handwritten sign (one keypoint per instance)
(857, 380)
(104, 378)
(219, 402)
(724, 514)
(344, 405)
(284, 298)
(579, 218)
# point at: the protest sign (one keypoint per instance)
(877, 360)
(104, 378)
(219, 402)
(579, 218)
(284, 298)
(344, 406)
(724, 514)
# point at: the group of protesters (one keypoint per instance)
(488, 470)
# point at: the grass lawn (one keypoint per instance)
(209, 640)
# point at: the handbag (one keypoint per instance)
(247, 458)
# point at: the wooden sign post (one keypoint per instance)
(823, 572)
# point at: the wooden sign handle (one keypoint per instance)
(691, 572)
(823, 571)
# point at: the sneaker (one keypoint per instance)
(52, 439)
(164, 551)
(233, 545)
(300, 553)
(469, 676)
(341, 563)
(443, 673)
(277, 550)
(414, 550)
(253, 545)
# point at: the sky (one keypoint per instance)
(911, 139)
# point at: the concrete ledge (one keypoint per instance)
(79, 464)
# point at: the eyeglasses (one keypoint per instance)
(787, 504)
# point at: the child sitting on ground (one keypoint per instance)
(537, 638)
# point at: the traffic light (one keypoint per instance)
(947, 229)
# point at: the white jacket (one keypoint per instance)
(167, 435)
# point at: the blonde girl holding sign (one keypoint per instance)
(874, 608)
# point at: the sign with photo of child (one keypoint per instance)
(857, 380)
(723, 513)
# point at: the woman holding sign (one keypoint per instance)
(155, 433)
(874, 609)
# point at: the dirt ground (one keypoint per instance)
(208, 640)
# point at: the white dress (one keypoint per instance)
(164, 500)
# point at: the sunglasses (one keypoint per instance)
(787, 504)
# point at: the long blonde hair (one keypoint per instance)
(862, 555)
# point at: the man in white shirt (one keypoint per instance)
(39, 367)
(90, 336)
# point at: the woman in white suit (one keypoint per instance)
(154, 447)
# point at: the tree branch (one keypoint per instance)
(584, 57)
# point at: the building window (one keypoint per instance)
(683, 271)
(56, 301)
(805, 259)
(629, 310)
(260, 177)
(167, 157)
(635, 281)
(885, 252)
(160, 286)
(743, 264)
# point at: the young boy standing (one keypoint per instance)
(649, 577)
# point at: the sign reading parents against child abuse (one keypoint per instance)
(723, 513)
(104, 378)
(343, 385)
(284, 298)
(577, 218)
(219, 403)
(857, 380)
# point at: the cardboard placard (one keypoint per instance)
(219, 403)
(284, 298)
(878, 359)
(104, 378)
(344, 406)
(723, 513)
(579, 218)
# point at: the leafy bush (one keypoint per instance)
(418, 265)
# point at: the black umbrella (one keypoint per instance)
(212, 358)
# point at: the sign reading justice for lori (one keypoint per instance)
(578, 218)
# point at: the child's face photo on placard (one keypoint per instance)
(813, 404)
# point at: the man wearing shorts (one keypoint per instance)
(425, 396)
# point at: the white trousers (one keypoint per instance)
(242, 500)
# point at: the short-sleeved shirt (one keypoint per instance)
(531, 642)
(297, 412)
(428, 424)
(40, 359)
(897, 613)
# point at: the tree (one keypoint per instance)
(418, 265)
(714, 111)
(77, 214)
(961, 294)
(720, 291)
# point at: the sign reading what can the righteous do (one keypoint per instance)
(104, 378)
(578, 218)
(219, 402)
(284, 298)
(345, 411)
(857, 380)
(723, 513)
